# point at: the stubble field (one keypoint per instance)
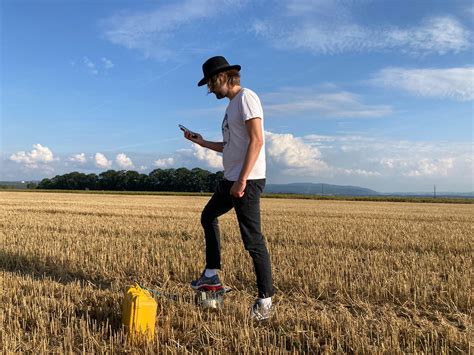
(350, 276)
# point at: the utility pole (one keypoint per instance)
(434, 192)
(322, 189)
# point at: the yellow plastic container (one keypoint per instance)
(139, 313)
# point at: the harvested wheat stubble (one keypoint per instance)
(350, 276)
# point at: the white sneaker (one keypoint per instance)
(260, 312)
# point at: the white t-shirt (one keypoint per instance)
(244, 106)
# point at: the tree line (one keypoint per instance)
(176, 180)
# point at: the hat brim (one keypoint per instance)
(204, 80)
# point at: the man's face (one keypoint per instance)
(220, 90)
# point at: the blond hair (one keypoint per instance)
(232, 77)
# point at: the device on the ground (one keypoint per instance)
(184, 129)
(210, 299)
(204, 297)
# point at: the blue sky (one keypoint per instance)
(371, 93)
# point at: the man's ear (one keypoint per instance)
(222, 78)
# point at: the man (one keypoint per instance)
(243, 149)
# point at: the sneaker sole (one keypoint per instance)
(205, 287)
(260, 318)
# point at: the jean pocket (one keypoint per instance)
(223, 187)
(254, 190)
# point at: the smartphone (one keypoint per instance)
(184, 129)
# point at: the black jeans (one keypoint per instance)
(247, 209)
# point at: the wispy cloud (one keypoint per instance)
(314, 102)
(329, 27)
(324, 101)
(107, 63)
(90, 65)
(153, 32)
(330, 9)
(316, 26)
(93, 68)
(451, 83)
(439, 35)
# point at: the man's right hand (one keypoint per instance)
(196, 139)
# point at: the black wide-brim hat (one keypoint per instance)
(213, 66)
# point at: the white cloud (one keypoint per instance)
(317, 26)
(260, 28)
(419, 167)
(153, 32)
(394, 159)
(440, 35)
(107, 63)
(39, 154)
(329, 8)
(101, 161)
(359, 172)
(307, 26)
(298, 101)
(210, 157)
(376, 162)
(291, 154)
(301, 157)
(164, 163)
(123, 161)
(452, 83)
(321, 39)
(90, 65)
(78, 158)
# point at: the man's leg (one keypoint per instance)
(247, 209)
(219, 204)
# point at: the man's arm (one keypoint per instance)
(254, 130)
(216, 146)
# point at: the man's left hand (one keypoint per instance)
(238, 188)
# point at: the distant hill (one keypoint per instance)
(440, 194)
(319, 189)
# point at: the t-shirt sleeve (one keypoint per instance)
(251, 106)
